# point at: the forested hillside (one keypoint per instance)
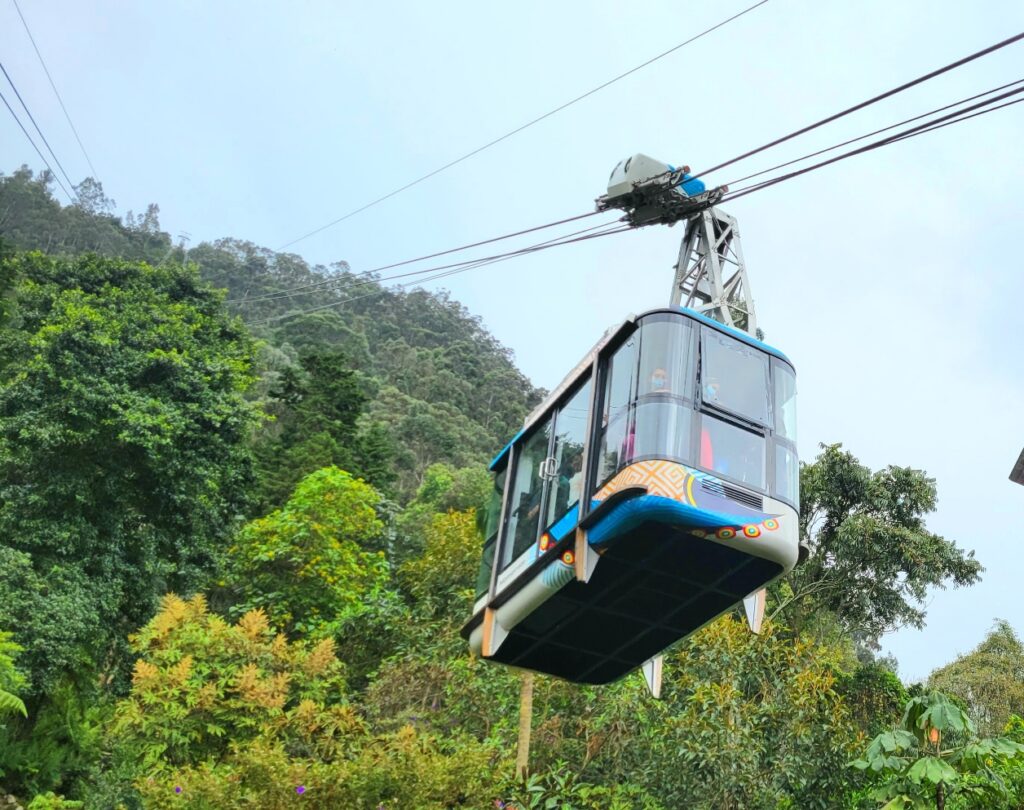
(238, 541)
(429, 382)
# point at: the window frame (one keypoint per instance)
(550, 418)
(723, 411)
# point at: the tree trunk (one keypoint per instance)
(525, 723)
(940, 796)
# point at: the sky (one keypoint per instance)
(892, 279)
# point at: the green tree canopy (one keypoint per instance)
(318, 405)
(990, 679)
(123, 464)
(872, 559)
(307, 564)
(936, 755)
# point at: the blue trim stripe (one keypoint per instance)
(736, 333)
(504, 450)
(659, 509)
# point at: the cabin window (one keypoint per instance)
(492, 518)
(661, 429)
(570, 439)
(733, 452)
(666, 357)
(785, 401)
(616, 422)
(531, 468)
(787, 475)
(734, 376)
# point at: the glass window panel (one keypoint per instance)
(570, 438)
(662, 429)
(488, 525)
(787, 475)
(666, 356)
(785, 401)
(615, 427)
(483, 578)
(734, 376)
(493, 513)
(524, 505)
(733, 452)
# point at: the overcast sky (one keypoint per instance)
(892, 280)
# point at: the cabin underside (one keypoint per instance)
(653, 585)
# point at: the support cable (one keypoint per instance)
(731, 183)
(519, 129)
(55, 91)
(869, 102)
(460, 267)
(920, 129)
(287, 293)
(29, 137)
(32, 118)
(370, 277)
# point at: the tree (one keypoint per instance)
(307, 564)
(990, 679)
(872, 559)
(235, 716)
(745, 721)
(123, 463)
(319, 406)
(441, 580)
(11, 681)
(442, 489)
(937, 755)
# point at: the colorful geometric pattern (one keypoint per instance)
(750, 530)
(666, 478)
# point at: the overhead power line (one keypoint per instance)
(42, 157)
(288, 293)
(46, 70)
(519, 129)
(869, 102)
(32, 118)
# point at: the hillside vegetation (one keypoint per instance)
(238, 540)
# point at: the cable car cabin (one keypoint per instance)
(654, 489)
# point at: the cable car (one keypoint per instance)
(653, 489)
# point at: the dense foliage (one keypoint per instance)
(989, 680)
(239, 536)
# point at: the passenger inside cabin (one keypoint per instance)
(660, 382)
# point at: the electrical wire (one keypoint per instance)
(732, 183)
(46, 70)
(29, 137)
(32, 118)
(289, 292)
(869, 102)
(519, 129)
(461, 267)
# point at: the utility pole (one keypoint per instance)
(525, 724)
(185, 238)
